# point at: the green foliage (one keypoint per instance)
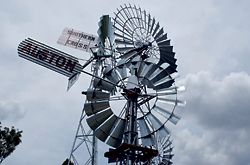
(67, 162)
(9, 139)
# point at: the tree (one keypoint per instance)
(9, 139)
(67, 162)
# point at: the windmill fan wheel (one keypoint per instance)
(145, 60)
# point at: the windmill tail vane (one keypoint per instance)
(132, 98)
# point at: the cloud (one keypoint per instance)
(10, 110)
(215, 127)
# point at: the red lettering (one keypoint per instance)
(70, 65)
(60, 62)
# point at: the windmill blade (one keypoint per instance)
(156, 29)
(149, 23)
(168, 150)
(94, 95)
(123, 37)
(103, 84)
(167, 145)
(124, 32)
(159, 33)
(124, 49)
(115, 138)
(145, 69)
(163, 132)
(94, 107)
(122, 71)
(111, 74)
(166, 162)
(104, 130)
(168, 157)
(97, 119)
(172, 101)
(148, 140)
(161, 38)
(152, 26)
(156, 123)
(169, 115)
(164, 43)
(123, 41)
(158, 75)
(144, 129)
(164, 85)
(129, 54)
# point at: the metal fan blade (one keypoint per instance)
(105, 129)
(156, 123)
(141, 18)
(167, 58)
(162, 132)
(145, 69)
(168, 150)
(141, 68)
(164, 85)
(93, 95)
(123, 37)
(152, 26)
(103, 84)
(149, 23)
(164, 43)
(161, 38)
(166, 162)
(172, 101)
(148, 140)
(145, 18)
(144, 129)
(111, 74)
(156, 29)
(168, 115)
(115, 138)
(170, 90)
(151, 71)
(167, 49)
(123, 32)
(97, 119)
(159, 34)
(94, 107)
(166, 145)
(158, 75)
(162, 111)
(129, 54)
(169, 156)
(128, 16)
(119, 41)
(122, 71)
(124, 49)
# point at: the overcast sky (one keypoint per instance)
(211, 40)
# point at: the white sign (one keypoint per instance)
(77, 39)
(49, 57)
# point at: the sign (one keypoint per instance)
(72, 80)
(49, 57)
(77, 39)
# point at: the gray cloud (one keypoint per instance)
(206, 35)
(10, 110)
(216, 120)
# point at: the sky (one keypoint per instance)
(211, 40)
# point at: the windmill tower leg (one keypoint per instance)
(83, 140)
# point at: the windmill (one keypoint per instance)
(132, 97)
